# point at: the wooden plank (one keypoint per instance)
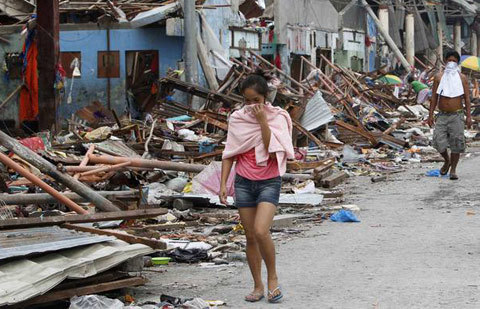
(323, 164)
(334, 180)
(209, 155)
(51, 170)
(309, 135)
(323, 175)
(357, 130)
(155, 244)
(212, 121)
(86, 290)
(98, 217)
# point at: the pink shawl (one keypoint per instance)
(244, 133)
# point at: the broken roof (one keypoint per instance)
(18, 9)
(18, 284)
(23, 242)
(143, 12)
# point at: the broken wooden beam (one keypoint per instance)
(45, 198)
(131, 239)
(85, 159)
(110, 168)
(40, 183)
(199, 91)
(359, 131)
(49, 169)
(334, 180)
(85, 290)
(11, 95)
(98, 217)
(309, 135)
(164, 165)
(394, 126)
(212, 121)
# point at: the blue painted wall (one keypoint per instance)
(89, 87)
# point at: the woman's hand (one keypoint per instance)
(223, 194)
(259, 112)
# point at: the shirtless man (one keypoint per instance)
(449, 89)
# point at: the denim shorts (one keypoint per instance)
(249, 193)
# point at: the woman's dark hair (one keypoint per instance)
(454, 54)
(256, 81)
(410, 79)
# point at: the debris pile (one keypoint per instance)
(153, 183)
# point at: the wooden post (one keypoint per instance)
(457, 37)
(473, 44)
(206, 66)
(48, 56)
(49, 169)
(440, 42)
(383, 17)
(478, 45)
(410, 38)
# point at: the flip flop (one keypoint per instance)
(253, 297)
(446, 172)
(277, 298)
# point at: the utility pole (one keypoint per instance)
(190, 44)
(48, 29)
(410, 38)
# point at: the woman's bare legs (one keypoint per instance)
(254, 258)
(263, 223)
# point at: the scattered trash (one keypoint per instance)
(435, 173)
(188, 255)
(344, 216)
(95, 302)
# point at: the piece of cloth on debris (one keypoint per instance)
(451, 85)
(244, 133)
(344, 216)
(28, 109)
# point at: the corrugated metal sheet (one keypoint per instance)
(23, 242)
(469, 8)
(17, 283)
(317, 113)
(117, 147)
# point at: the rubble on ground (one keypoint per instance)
(153, 182)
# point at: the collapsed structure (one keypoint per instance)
(134, 134)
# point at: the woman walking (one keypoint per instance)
(260, 140)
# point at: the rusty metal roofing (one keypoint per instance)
(24, 242)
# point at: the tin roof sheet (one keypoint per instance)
(24, 242)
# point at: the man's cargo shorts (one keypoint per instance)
(449, 132)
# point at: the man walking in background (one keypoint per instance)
(450, 88)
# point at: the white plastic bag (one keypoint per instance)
(94, 302)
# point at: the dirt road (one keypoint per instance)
(417, 246)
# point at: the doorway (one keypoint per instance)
(142, 75)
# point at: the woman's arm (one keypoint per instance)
(226, 168)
